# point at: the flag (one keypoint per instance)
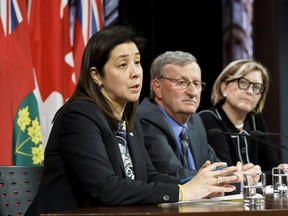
(27, 135)
(89, 19)
(17, 85)
(111, 12)
(37, 72)
(52, 57)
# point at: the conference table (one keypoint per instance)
(275, 205)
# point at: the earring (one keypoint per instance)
(225, 94)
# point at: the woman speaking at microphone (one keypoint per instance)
(95, 155)
(238, 96)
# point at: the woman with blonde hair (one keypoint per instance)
(238, 98)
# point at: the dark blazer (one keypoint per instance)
(226, 147)
(161, 142)
(83, 166)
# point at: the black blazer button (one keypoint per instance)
(166, 198)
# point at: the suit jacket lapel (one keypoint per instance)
(194, 142)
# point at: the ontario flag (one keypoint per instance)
(89, 19)
(20, 130)
(37, 73)
(52, 57)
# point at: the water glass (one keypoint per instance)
(254, 189)
(279, 180)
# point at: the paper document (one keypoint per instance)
(230, 198)
(233, 197)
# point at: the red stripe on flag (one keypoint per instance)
(80, 31)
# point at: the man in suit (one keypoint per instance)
(174, 98)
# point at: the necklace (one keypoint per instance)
(240, 126)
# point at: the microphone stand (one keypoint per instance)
(258, 133)
(267, 143)
(218, 131)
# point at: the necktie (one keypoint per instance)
(185, 146)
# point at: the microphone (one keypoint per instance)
(258, 133)
(214, 132)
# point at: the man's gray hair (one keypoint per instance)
(170, 57)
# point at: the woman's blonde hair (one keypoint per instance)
(238, 69)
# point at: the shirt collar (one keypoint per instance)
(176, 127)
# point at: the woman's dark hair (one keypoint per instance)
(96, 54)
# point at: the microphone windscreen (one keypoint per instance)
(214, 132)
(256, 133)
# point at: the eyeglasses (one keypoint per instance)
(244, 84)
(183, 84)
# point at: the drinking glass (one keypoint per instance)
(254, 189)
(279, 180)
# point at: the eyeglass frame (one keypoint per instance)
(250, 83)
(186, 83)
